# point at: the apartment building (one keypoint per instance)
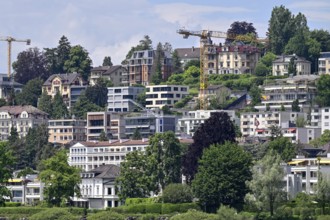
(285, 91)
(63, 131)
(97, 188)
(190, 120)
(160, 95)
(234, 58)
(142, 66)
(123, 99)
(20, 117)
(325, 118)
(259, 123)
(281, 65)
(117, 74)
(69, 85)
(324, 63)
(188, 54)
(96, 123)
(6, 86)
(149, 123)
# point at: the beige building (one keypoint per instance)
(96, 123)
(117, 74)
(281, 65)
(324, 63)
(160, 95)
(69, 85)
(20, 117)
(64, 131)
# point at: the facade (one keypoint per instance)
(160, 95)
(69, 85)
(325, 118)
(98, 189)
(63, 131)
(303, 135)
(281, 65)
(96, 123)
(191, 120)
(285, 91)
(234, 58)
(6, 86)
(149, 124)
(20, 117)
(187, 54)
(123, 99)
(324, 63)
(142, 66)
(117, 74)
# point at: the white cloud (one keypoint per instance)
(310, 4)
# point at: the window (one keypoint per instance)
(326, 110)
(326, 123)
(326, 117)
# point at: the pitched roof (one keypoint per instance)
(15, 110)
(106, 171)
(188, 53)
(66, 78)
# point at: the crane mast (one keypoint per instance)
(10, 40)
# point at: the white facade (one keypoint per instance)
(324, 63)
(191, 120)
(325, 121)
(281, 65)
(123, 99)
(160, 95)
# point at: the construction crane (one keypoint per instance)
(207, 48)
(9, 40)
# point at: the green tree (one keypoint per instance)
(206, 135)
(157, 76)
(107, 61)
(300, 122)
(275, 132)
(63, 51)
(267, 183)
(282, 108)
(98, 94)
(195, 63)
(240, 28)
(6, 169)
(177, 193)
(30, 64)
(3, 102)
(322, 140)
(323, 90)
(59, 108)
(79, 62)
(83, 105)
(176, 62)
(322, 191)
(255, 93)
(13, 137)
(30, 93)
(61, 180)
(222, 173)
(141, 98)
(292, 69)
(103, 136)
(323, 37)
(45, 104)
(136, 134)
(284, 147)
(295, 106)
(261, 69)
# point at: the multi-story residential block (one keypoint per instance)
(117, 74)
(324, 63)
(20, 117)
(123, 99)
(96, 123)
(160, 95)
(188, 54)
(315, 116)
(191, 120)
(234, 58)
(63, 131)
(149, 123)
(7, 85)
(325, 118)
(117, 125)
(259, 123)
(303, 135)
(142, 66)
(281, 65)
(69, 85)
(97, 188)
(285, 91)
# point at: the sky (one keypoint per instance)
(112, 27)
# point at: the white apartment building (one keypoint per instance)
(63, 131)
(325, 121)
(123, 99)
(191, 120)
(96, 123)
(281, 65)
(324, 63)
(160, 95)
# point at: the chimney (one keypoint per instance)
(193, 49)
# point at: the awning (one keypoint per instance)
(291, 129)
(260, 130)
(324, 161)
(15, 180)
(295, 162)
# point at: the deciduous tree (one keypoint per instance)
(107, 61)
(98, 94)
(240, 28)
(177, 193)
(136, 134)
(45, 104)
(83, 105)
(6, 169)
(30, 93)
(59, 108)
(284, 147)
(222, 173)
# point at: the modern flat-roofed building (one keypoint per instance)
(96, 123)
(324, 63)
(160, 95)
(7, 85)
(123, 99)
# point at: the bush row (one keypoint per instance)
(157, 208)
(33, 210)
(134, 201)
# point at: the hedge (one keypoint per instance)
(21, 210)
(12, 204)
(154, 208)
(134, 201)
(54, 213)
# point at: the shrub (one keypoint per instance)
(323, 217)
(53, 214)
(177, 193)
(318, 211)
(134, 201)
(153, 208)
(296, 211)
(184, 207)
(12, 204)
(106, 215)
(168, 208)
(194, 215)
(20, 210)
(139, 208)
(284, 212)
(306, 213)
(327, 211)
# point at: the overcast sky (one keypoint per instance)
(112, 27)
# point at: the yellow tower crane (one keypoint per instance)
(9, 40)
(206, 49)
